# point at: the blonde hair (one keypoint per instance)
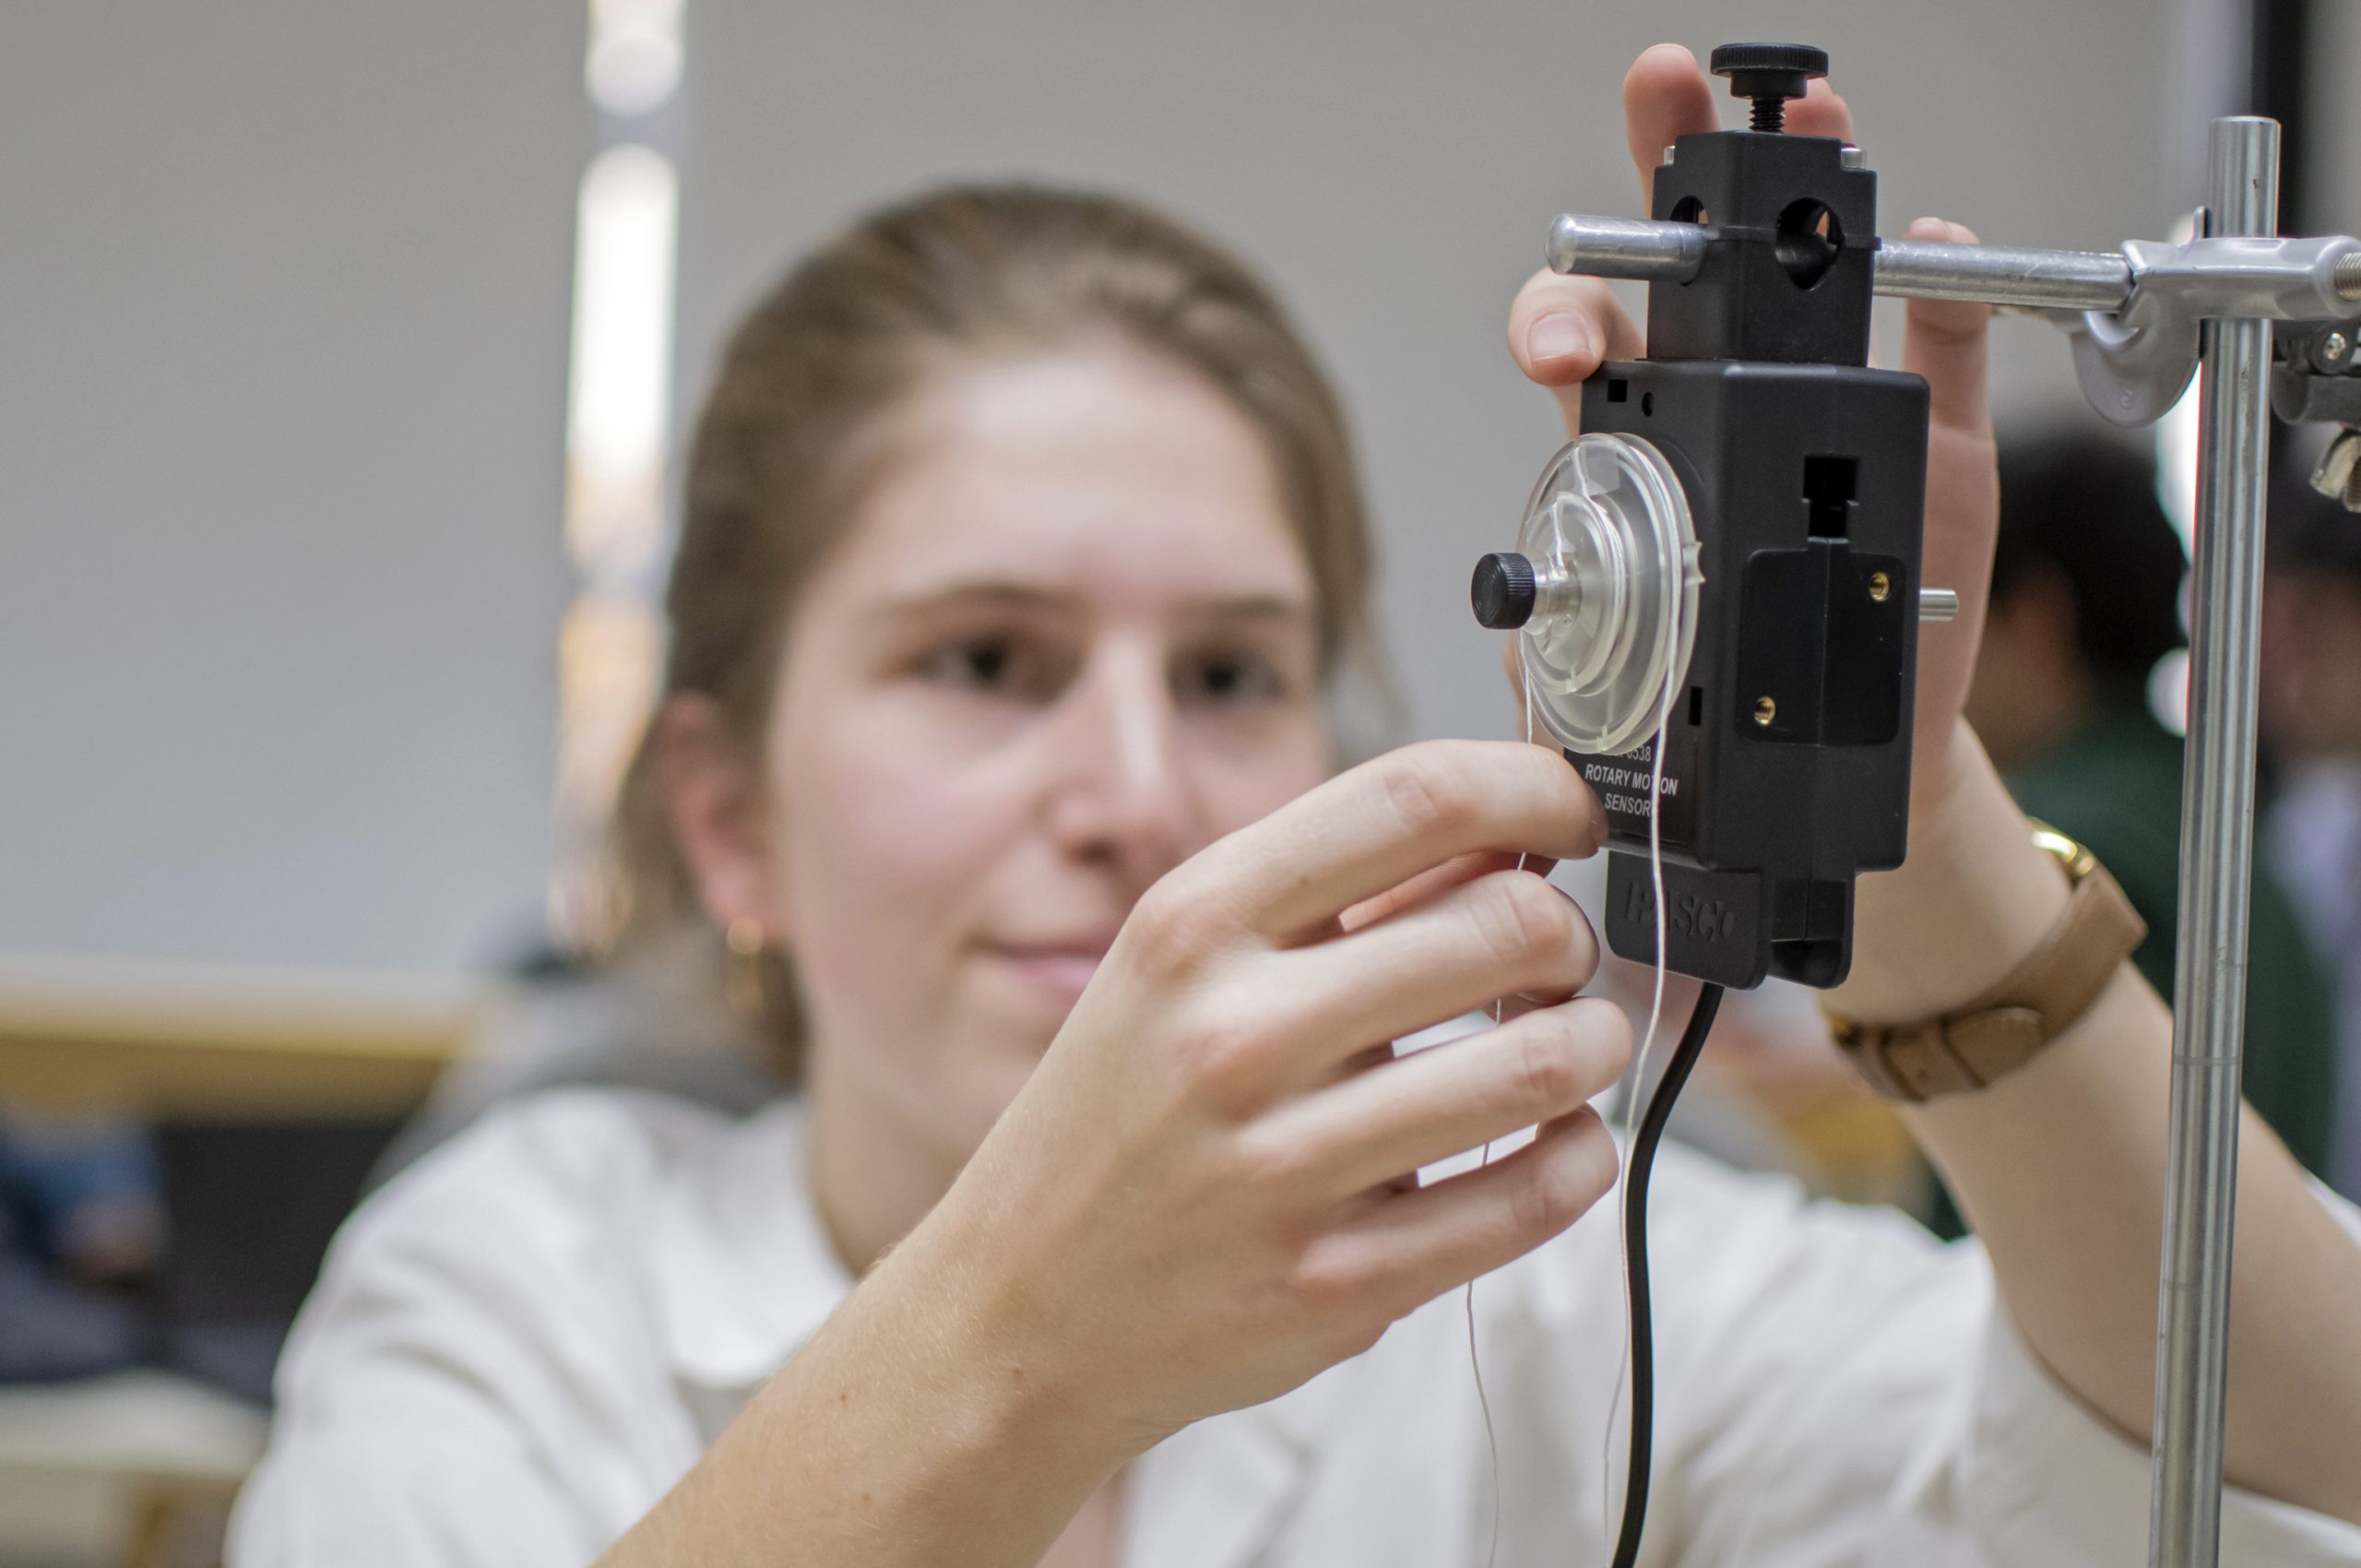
(816, 371)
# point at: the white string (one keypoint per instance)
(1484, 1403)
(1629, 1107)
(1475, 1363)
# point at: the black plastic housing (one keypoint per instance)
(1786, 768)
(1772, 285)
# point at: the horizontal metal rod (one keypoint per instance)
(2003, 275)
(2254, 278)
(1625, 247)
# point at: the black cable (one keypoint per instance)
(1635, 1232)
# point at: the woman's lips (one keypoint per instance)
(1058, 972)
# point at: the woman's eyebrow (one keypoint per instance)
(1000, 593)
(986, 592)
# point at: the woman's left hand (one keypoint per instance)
(1560, 330)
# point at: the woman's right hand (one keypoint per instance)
(1206, 1192)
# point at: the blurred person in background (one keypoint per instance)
(2086, 596)
(1023, 560)
(2311, 722)
(81, 1227)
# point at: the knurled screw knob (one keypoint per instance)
(1502, 591)
(1770, 74)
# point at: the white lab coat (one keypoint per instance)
(521, 1345)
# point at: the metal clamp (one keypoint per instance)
(2135, 364)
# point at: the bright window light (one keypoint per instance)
(619, 411)
(633, 66)
(2168, 691)
(2177, 445)
(619, 405)
(2176, 441)
(2177, 467)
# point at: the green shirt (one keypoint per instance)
(2115, 784)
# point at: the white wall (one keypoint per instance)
(283, 296)
(283, 302)
(1394, 165)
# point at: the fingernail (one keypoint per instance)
(1555, 338)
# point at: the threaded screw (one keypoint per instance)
(1767, 74)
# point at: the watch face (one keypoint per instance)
(2077, 859)
(1615, 562)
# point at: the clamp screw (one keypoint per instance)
(1770, 74)
(2334, 346)
(2339, 474)
(1502, 591)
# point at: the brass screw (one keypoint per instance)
(1880, 586)
(1765, 710)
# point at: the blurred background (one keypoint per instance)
(343, 354)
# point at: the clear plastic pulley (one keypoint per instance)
(1614, 560)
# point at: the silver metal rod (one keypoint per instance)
(2218, 275)
(2004, 274)
(1939, 604)
(2216, 855)
(1625, 247)
(2001, 275)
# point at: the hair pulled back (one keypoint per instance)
(800, 413)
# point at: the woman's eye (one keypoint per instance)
(1230, 678)
(983, 662)
(998, 665)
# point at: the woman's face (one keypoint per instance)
(1068, 640)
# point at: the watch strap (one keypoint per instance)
(1998, 1031)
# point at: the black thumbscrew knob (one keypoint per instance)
(1770, 74)
(1502, 591)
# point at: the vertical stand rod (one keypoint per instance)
(2216, 859)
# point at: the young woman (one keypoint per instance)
(1021, 548)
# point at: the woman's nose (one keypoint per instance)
(1124, 789)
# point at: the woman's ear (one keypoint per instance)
(711, 785)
